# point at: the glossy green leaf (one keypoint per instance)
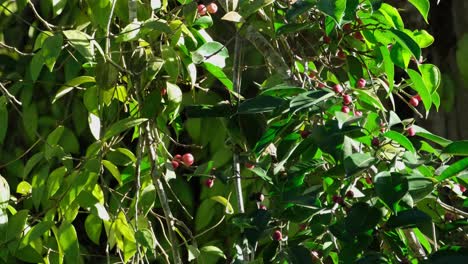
(68, 241)
(72, 84)
(408, 218)
(147, 199)
(422, 6)
(334, 9)
(431, 76)
(225, 203)
(388, 66)
(146, 238)
(361, 218)
(259, 104)
(390, 187)
(51, 50)
(218, 73)
(356, 162)
(213, 250)
(16, 224)
(453, 169)
(24, 188)
(80, 41)
(457, 148)
(406, 41)
(112, 169)
(420, 87)
(36, 232)
(247, 8)
(121, 126)
(212, 52)
(400, 139)
(93, 228)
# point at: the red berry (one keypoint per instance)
(361, 83)
(359, 21)
(369, 180)
(350, 194)
(418, 97)
(326, 39)
(375, 142)
(320, 85)
(262, 207)
(249, 165)
(163, 91)
(347, 27)
(462, 188)
(358, 36)
(202, 10)
(175, 164)
(212, 8)
(209, 182)
(341, 55)
(413, 101)
(347, 99)
(188, 159)
(357, 113)
(338, 199)
(345, 109)
(177, 157)
(337, 88)
(305, 133)
(277, 235)
(312, 74)
(449, 217)
(389, 47)
(411, 131)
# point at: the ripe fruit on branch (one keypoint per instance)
(358, 35)
(178, 157)
(163, 91)
(202, 10)
(347, 99)
(188, 159)
(375, 142)
(262, 207)
(411, 131)
(341, 55)
(249, 165)
(212, 8)
(259, 197)
(277, 235)
(326, 39)
(347, 27)
(361, 83)
(357, 113)
(345, 109)
(338, 199)
(209, 182)
(449, 217)
(350, 194)
(320, 85)
(175, 164)
(305, 133)
(414, 101)
(338, 88)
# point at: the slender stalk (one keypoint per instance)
(163, 198)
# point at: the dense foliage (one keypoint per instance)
(257, 131)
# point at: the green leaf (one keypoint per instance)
(211, 52)
(72, 84)
(93, 228)
(457, 148)
(80, 41)
(423, 7)
(453, 169)
(122, 125)
(421, 132)
(392, 16)
(431, 76)
(24, 188)
(36, 232)
(51, 50)
(58, 6)
(298, 8)
(334, 9)
(3, 119)
(146, 238)
(147, 199)
(218, 73)
(224, 202)
(420, 87)
(247, 8)
(310, 99)
(390, 187)
(38, 184)
(361, 218)
(171, 62)
(356, 162)
(129, 32)
(370, 99)
(113, 170)
(174, 94)
(376, 4)
(400, 139)
(16, 225)
(406, 41)
(423, 38)
(408, 218)
(213, 250)
(259, 104)
(68, 242)
(388, 66)
(36, 65)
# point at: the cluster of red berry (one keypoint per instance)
(187, 159)
(211, 8)
(347, 99)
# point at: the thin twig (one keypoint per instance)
(43, 21)
(8, 95)
(16, 50)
